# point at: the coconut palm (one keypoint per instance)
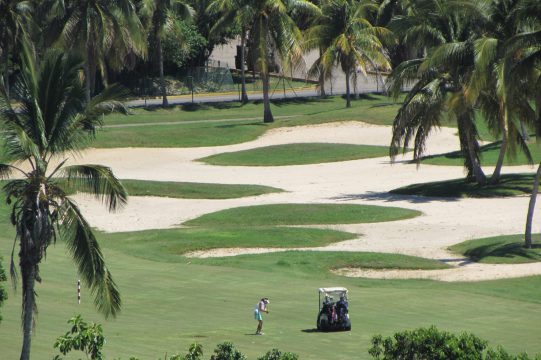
(272, 28)
(443, 30)
(235, 13)
(525, 49)
(14, 18)
(163, 17)
(52, 121)
(505, 107)
(346, 34)
(106, 32)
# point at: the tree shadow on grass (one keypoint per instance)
(390, 197)
(228, 126)
(505, 250)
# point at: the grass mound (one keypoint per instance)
(320, 262)
(168, 245)
(489, 156)
(509, 185)
(296, 154)
(301, 214)
(190, 190)
(506, 249)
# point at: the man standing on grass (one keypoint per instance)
(261, 307)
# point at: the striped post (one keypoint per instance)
(79, 291)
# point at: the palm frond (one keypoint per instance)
(99, 181)
(84, 248)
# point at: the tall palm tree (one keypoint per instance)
(163, 18)
(239, 13)
(443, 31)
(106, 32)
(526, 48)
(273, 28)
(346, 34)
(52, 121)
(505, 106)
(14, 18)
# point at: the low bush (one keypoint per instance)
(433, 344)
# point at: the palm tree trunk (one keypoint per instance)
(87, 72)
(244, 96)
(469, 144)
(29, 301)
(321, 78)
(531, 209)
(160, 65)
(348, 100)
(6, 71)
(267, 113)
(503, 149)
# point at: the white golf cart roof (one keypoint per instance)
(333, 289)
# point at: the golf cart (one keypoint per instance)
(333, 310)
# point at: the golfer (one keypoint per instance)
(260, 308)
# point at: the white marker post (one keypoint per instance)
(79, 291)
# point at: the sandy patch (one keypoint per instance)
(469, 272)
(444, 221)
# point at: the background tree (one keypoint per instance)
(345, 33)
(235, 13)
(53, 119)
(441, 30)
(105, 32)
(526, 48)
(15, 16)
(164, 17)
(505, 107)
(274, 29)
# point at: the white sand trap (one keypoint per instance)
(444, 221)
(468, 272)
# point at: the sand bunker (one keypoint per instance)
(444, 221)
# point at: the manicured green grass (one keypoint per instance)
(189, 190)
(296, 154)
(489, 156)
(155, 130)
(509, 185)
(506, 249)
(308, 263)
(169, 245)
(166, 306)
(169, 304)
(301, 214)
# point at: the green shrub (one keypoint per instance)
(433, 344)
(83, 337)
(227, 351)
(429, 344)
(276, 354)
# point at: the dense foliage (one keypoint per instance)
(433, 344)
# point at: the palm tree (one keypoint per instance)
(163, 16)
(442, 30)
(53, 119)
(14, 18)
(105, 31)
(273, 28)
(505, 106)
(235, 13)
(526, 48)
(345, 34)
